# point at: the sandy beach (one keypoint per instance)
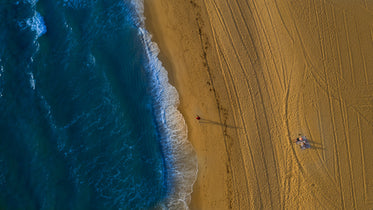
(259, 73)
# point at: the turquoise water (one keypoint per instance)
(87, 117)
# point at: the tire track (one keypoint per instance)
(272, 95)
(362, 159)
(235, 51)
(256, 108)
(262, 47)
(343, 105)
(252, 65)
(250, 88)
(320, 159)
(283, 22)
(251, 41)
(338, 48)
(277, 42)
(326, 76)
(320, 123)
(232, 177)
(363, 57)
(349, 49)
(241, 119)
(337, 163)
(346, 133)
(248, 140)
(286, 184)
(287, 127)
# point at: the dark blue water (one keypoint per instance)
(79, 125)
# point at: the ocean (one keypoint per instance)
(88, 119)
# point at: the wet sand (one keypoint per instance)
(259, 73)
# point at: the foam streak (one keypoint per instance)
(181, 159)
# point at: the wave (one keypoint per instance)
(77, 4)
(180, 157)
(1, 74)
(36, 23)
(32, 80)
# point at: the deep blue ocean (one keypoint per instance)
(87, 117)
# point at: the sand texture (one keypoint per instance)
(261, 72)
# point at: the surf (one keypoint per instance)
(180, 157)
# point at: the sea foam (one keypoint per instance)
(32, 81)
(1, 74)
(76, 4)
(180, 157)
(36, 23)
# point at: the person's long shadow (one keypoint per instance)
(217, 123)
(315, 145)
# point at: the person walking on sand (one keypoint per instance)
(198, 117)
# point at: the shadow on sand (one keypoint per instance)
(217, 123)
(316, 146)
(311, 144)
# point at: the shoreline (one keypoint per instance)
(179, 156)
(238, 67)
(180, 52)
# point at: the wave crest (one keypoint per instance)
(180, 157)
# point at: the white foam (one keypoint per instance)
(36, 23)
(91, 62)
(1, 74)
(76, 4)
(32, 81)
(32, 2)
(181, 159)
(139, 8)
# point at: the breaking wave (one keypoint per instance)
(180, 157)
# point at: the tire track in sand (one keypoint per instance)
(222, 60)
(251, 89)
(222, 22)
(240, 110)
(204, 45)
(271, 95)
(291, 171)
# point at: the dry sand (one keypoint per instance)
(260, 72)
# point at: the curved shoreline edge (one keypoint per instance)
(278, 68)
(180, 157)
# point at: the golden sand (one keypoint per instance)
(259, 73)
